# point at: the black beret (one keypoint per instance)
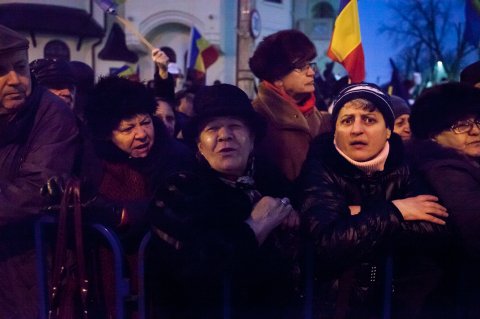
(11, 40)
(222, 100)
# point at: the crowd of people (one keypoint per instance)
(271, 208)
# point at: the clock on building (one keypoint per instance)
(255, 24)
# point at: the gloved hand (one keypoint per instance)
(103, 211)
(54, 189)
(95, 208)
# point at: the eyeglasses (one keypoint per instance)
(304, 68)
(464, 126)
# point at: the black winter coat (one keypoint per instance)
(40, 142)
(210, 261)
(455, 178)
(356, 247)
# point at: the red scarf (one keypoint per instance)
(308, 105)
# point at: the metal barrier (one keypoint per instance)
(122, 287)
(141, 275)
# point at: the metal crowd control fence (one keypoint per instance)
(141, 275)
(121, 285)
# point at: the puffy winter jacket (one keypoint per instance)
(356, 247)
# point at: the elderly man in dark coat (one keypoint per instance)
(38, 139)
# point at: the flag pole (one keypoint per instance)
(128, 25)
(110, 7)
(189, 55)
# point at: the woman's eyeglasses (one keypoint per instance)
(304, 68)
(464, 126)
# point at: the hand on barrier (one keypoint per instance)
(54, 189)
(96, 209)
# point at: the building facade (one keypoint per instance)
(234, 27)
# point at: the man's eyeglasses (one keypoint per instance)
(304, 68)
(464, 126)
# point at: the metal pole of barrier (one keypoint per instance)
(309, 278)
(141, 276)
(387, 291)
(122, 287)
(120, 284)
(41, 265)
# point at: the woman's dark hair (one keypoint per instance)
(280, 53)
(114, 99)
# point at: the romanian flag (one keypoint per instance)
(346, 44)
(472, 22)
(128, 72)
(201, 54)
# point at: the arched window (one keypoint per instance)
(56, 49)
(323, 9)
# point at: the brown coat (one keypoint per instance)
(289, 131)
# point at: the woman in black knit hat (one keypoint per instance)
(445, 123)
(361, 207)
(284, 62)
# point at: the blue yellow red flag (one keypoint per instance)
(127, 71)
(202, 54)
(346, 44)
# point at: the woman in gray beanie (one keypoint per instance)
(401, 109)
(360, 208)
(284, 64)
(445, 123)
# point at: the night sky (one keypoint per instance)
(377, 47)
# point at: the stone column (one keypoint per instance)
(245, 47)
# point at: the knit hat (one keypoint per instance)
(222, 100)
(399, 106)
(280, 53)
(439, 107)
(471, 74)
(83, 74)
(369, 92)
(53, 73)
(11, 40)
(114, 99)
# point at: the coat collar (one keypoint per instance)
(18, 130)
(280, 111)
(426, 152)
